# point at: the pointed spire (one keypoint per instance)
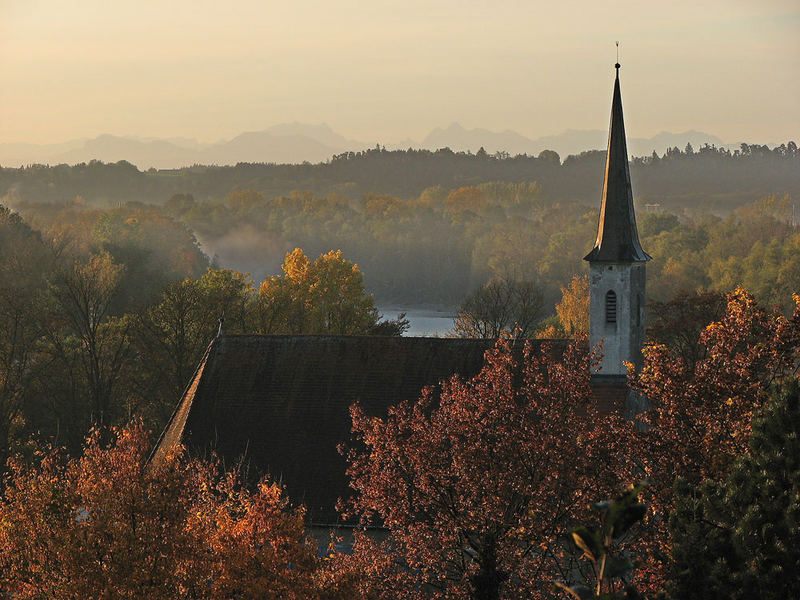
(617, 238)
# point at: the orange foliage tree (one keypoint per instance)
(478, 486)
(108, 525)
(573, 309)
(326, 296)
(701, 409)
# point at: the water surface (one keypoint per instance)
(424, 322)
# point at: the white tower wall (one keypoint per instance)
(621, 327)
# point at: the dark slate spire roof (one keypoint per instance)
(617, 238)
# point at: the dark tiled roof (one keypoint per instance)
(282, 402)
(617, 237)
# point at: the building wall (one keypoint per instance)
(622, 339)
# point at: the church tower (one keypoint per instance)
(617, 262)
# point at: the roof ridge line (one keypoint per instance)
(178, 405)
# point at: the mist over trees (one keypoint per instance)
(435, 248)
(105, 314)
(108, 310)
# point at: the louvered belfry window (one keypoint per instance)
(611, 307)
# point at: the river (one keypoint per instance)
(424, 322)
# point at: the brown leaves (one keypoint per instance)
(483, 477)
(701, 410)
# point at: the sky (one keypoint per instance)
(385, 71)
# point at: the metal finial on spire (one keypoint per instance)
(616, 66)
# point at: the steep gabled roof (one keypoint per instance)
(282, 402)
(617, 237)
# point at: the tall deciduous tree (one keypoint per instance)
(479, 485)
(24, 261)
(85, 292)
(500, 306)
(701, 413)
(171, 336)
(326, 296)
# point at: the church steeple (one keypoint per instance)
(617, 264)
(617, 237)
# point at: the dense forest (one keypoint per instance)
(508, 485)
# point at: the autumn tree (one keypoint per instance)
(24, 264)
(678, 323)
(700, 415)
(242, 200)
(169, 337)
(502, 305)
(573, 309)
(96, 526)
(227, 294)
(339, 302)
(84, 293)
(155, 250)
(108, 524)
(326, 296)
(478, 485)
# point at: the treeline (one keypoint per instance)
(106, 312)
(711, 179)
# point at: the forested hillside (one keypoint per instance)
(107, 305)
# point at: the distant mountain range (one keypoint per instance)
(299, 142)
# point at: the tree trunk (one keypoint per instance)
(487, 581)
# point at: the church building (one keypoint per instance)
(280, 404)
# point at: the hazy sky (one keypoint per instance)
(383, 71)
